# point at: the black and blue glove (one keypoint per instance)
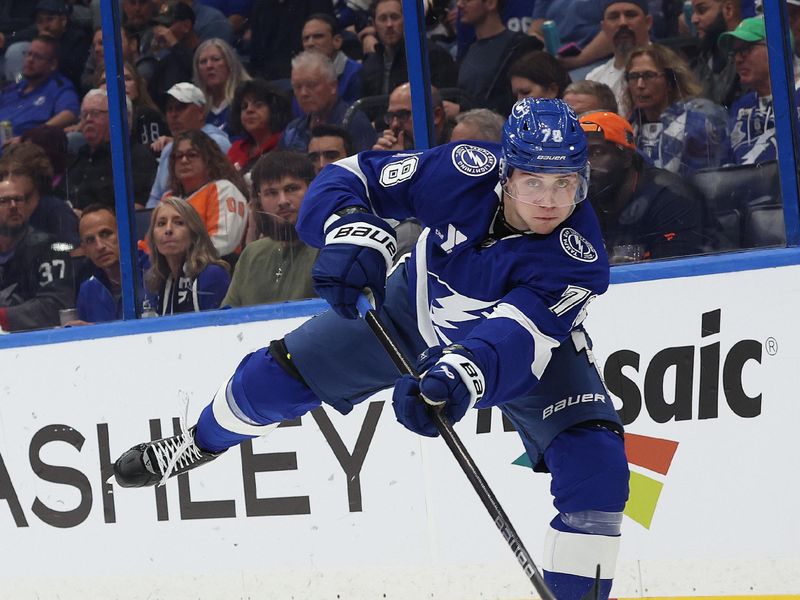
(450, 379)
(359, 250)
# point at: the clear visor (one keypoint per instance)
(554, 189)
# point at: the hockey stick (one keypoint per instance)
(367, 311)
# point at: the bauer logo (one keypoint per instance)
(577, 246)
(473, 160)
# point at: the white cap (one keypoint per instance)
(187, 93)
(795, 2)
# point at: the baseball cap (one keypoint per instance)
(614, 128)
(643, 4)
(174, 11)
(749, 30)
(187, 93)
(54, 7)
(795, 2)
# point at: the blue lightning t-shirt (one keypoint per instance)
(511, 301)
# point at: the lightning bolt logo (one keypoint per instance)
(449, 309)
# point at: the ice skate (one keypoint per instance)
(153, 463)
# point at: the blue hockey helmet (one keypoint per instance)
(543, 135)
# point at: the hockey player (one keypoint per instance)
(491, 300)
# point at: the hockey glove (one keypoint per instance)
(359, 249)
(454, 382)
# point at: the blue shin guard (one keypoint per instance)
(252, 402)
(590, 487)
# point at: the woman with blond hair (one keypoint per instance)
(201, 174)
(674, 128)
(218, 72)
(186, 272)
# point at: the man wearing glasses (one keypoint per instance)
(399, 132)
(43, 96)
(36, 278)
(752, 118)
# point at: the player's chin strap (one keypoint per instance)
(366, 309)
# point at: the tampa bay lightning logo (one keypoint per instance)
(473, 160)
(577, 246)
(452, 313)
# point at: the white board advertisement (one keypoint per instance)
(702, 369)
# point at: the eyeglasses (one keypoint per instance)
(36, 56)
(400, 115)
(92, 113)
(6, 201)
(188, 155)
(634, 76)
(744, 49)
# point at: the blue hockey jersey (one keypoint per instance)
(512, 300)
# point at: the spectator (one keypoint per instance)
(28, 165)
(210, 22)
(90, 178)
(36, 278)
(94, 64)
(138, 19)
(236, 11)
(627, 25)
(399, 134)
(276, 266)
(321, 33)
(276, 28)
(673, 127)
(54, 143)
(100, 296)
(173, 45)
(385, 68)
(584, 96)
(793, 8)
(186, 111)
(711, 65)
(478, 124)
(260, 112)
(314, 85)
(73, 42)
(219, 73)
(42, 96)
(186, 273)
(537, 75)
(148, 123)
(201, 174)
(644, 212)
(483, 72)
(578, 23)
(328, 144)
(517, 15)
(752, 118)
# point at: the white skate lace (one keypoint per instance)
(175, 453)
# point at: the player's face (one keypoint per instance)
(539, 202)
(281, 199)
(98, 232)
(522, 87)
(170, 232)
(324, 150)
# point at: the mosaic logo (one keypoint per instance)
(651, 454)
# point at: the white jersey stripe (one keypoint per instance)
(543, 344)
(351, 164)
(580, 553)
(231, 418)
(424, 323)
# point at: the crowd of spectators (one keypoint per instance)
(234, 106)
